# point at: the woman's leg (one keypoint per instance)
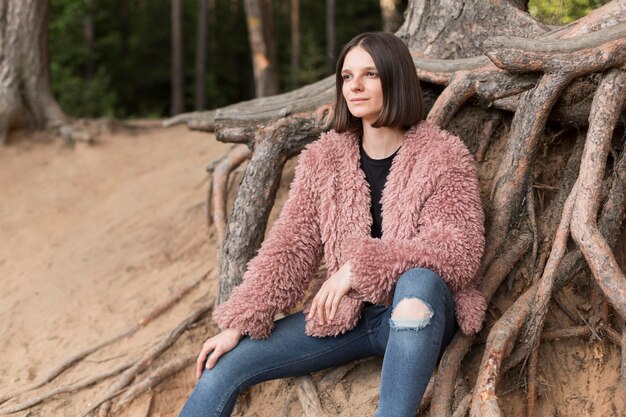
(288, 352)
(422, 323)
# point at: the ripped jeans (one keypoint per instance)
(411, 341)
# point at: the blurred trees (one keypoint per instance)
(177, 100)
(130, 52)
(113, 57)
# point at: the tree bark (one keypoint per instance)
(330, 36)
(295, 42)
(25, 94)
(390, 11)
(201, 50)
(89, 34)
(177, 97)
(457, 29)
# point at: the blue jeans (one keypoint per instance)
(410, 351)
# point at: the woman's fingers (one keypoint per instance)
(328, 305)
(217, 352)
(334, 308)
(200, 362)
(320, 306)
(325, 305)
(313, 305)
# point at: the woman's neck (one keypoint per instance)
(379, 143)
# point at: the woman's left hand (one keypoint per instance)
(326, 301)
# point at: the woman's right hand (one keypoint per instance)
(219, 344)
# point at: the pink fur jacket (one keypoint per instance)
(432, 217)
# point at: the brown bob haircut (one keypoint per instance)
(403, 105)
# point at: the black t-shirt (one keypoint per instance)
(376, 172)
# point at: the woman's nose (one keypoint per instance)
(356, 85)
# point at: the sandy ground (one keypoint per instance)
(93, 237)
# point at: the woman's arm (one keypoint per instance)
(278, 276)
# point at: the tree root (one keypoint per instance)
(604, 49)
(66, 389)
(486, 135)
(623, 367)
(513, 175)
(532, 382)
(460, 89)
(502, 334)
(165, 371)
(149, 407)
(129, 374)
(235, 157)
(72, 134)
(197, 120)
(610, 96)
(286, 410)
(464, 404)
(576, 331)
(142, 322)
(333, 377)
(307, 394)
(530, 205)
(615, 338)
(450, 364)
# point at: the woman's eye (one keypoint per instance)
(372, 74)
(346, 76)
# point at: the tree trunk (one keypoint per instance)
(330, 36)
(295, 42)
(177, 105)
(25, 94)
(390, 11)
(201, 49)
(265, 79)
(89, 34)
(453, 29)
(267, 17)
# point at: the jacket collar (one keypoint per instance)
(357, 190)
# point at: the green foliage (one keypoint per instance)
(78, 95)
(131, 53)
(560, 12)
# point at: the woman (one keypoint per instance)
(392, 204)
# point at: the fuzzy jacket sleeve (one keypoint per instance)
(278, 276)
(449, 241)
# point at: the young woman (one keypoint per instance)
(392, 205)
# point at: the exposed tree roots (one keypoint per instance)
(235, 157)
(127, 371)
(529, 77)
(309, 399)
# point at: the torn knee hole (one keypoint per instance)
(411, 313)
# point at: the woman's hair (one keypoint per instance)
(403, 105)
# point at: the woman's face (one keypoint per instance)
(361, 88)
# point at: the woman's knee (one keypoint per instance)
(417, 295)
(420, 280)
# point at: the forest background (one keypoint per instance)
(113, 58)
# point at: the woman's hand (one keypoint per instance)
(218, 344)
(327, 299)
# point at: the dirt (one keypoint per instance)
(94, 236)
